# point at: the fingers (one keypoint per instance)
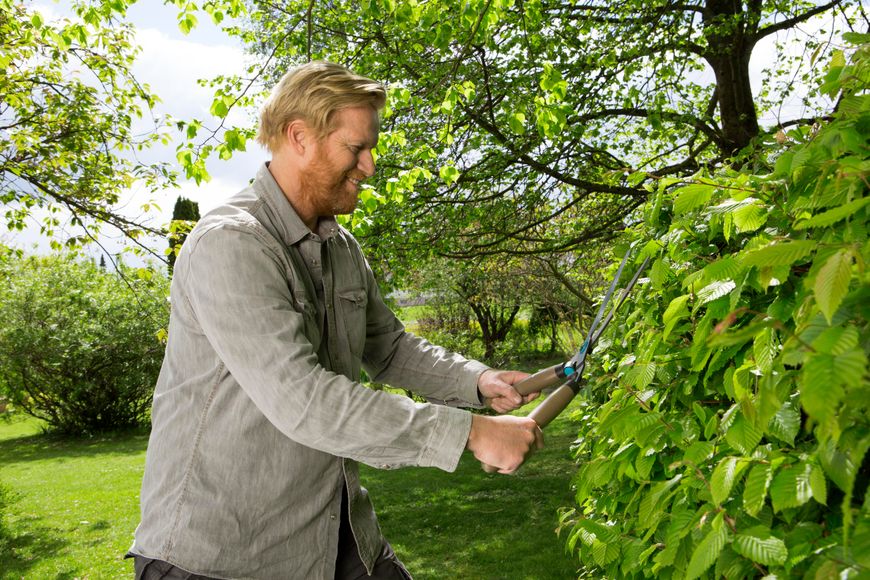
(497, 389)
(504, 442)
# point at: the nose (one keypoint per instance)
(366, 163)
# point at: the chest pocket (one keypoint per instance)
(353, 303)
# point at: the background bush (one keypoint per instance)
(79, 345)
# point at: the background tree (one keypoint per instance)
(185, 214)
(73, 119)
(80, 347)
(485, 299)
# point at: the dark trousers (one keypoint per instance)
(349, 566)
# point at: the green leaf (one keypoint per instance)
(749, 218)
(187, 21)
(449, 174)
(726, 474)
(779, 254)
(698, 452)
(235, 140)
(818, 485)
(517, 122)
(832, 282)
(653, 503)
(765, 349)
(715, 290)
(691, 196)
(760, 546)
(604, 552)
(706, 552)
(727, 267)
(743, 435)
(676, 311)
(699, 411)
(641, 374)
(838, 464)
(755, 489)
(791, 486)
(832, 216)
(836, 340)
(219, 107)
(860, 545)
(823, 377)
(786, 423)
(711, 426)
(820, 398)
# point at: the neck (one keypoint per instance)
(289, 182)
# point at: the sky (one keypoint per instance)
(171, 63)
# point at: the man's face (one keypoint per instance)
(341, 161)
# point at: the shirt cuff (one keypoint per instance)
(468, 383)
(448, 438)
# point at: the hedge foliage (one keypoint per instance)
(79, 345)
(727, 432)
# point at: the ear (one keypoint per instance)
(297, 136)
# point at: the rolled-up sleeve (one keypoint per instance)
(235, 282)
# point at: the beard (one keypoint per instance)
(328, 190)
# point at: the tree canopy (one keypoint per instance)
(537, 126)
(73, 119)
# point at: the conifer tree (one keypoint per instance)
(185, 214)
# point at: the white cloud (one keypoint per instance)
(172, 65)
(172, 68)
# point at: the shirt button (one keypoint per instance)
(332, 516)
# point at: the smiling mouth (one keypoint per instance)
(356, 182)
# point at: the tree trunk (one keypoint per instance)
(495, 323)
(729, 29)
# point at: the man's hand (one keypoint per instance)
(503, 443)
(498, 393)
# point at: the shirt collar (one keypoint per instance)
(291, 225)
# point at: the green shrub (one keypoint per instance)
(79, 346)
(727, 432)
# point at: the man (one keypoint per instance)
(258, 417)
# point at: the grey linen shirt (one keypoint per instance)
(258, 417)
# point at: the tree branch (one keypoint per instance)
(790, 22)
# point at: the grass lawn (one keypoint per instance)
(76, 508)
(76, 502)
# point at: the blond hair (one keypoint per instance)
(312, 92)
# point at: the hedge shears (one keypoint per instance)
(570, 373)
